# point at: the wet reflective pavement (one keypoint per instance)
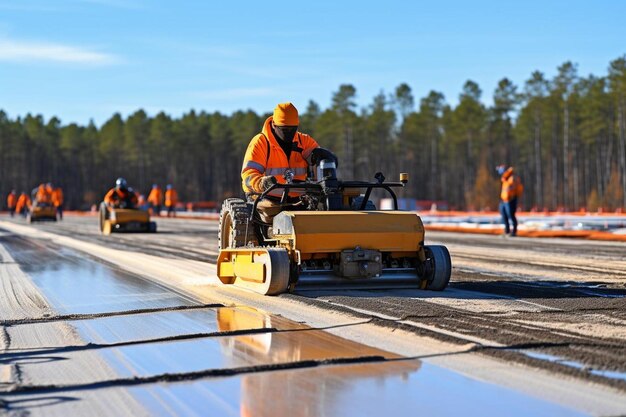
(232, 360)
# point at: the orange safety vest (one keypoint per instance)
(43, 195)
(116, 196)
(22, 202)
(171, 198)
(511, 186)
(155, 197)
(57, 197)
(11, 200)
(265, 157)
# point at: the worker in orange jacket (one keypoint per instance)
(511, 190)
(43, 194)
(23, 204)
(155, 198)
(11, 202)
(121, 196)
(57, 201)
(171, 198)
(278, 148)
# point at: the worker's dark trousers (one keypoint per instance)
(507, 211)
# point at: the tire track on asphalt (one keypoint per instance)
(619, 272)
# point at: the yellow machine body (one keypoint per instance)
(314, 232)
(47, 212)
(124, 220)
(123, 216)
(341, 242)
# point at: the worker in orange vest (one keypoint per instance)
(43, 194)
(511, 190)
(155, 198)
(279, 148)
(23, 204)
(171, 198)
(11, 202)
(121, 196)
(57, 201)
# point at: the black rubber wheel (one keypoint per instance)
(276, 262)
(440, 267)
(357, 201)
(234, 230)
(103, 216)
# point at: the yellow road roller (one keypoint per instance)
(115, 219)
(41, 212)
(331, 236)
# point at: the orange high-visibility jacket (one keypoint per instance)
(115, 196)
(23, 202)
(171, 198)
(155, 197)
(511, 186)
(57, 197)
(11, 200)
(43, 195)
(257, 163)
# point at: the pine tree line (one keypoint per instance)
(566, 136)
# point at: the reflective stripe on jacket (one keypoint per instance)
(511, 186)
(257, 163)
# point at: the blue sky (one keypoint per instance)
(86, 59)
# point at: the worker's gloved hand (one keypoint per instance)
(267, 182)
(319, 154)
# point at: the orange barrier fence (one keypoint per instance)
(453, 213)
(580, 234)
(179, 215)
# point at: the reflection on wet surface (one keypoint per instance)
(574, 364)
(345, 390)
(75, 284)
(172, 323)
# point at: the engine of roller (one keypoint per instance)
(332, 237)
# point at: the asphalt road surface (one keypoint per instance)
(130, 324)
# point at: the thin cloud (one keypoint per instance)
(20, 51)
